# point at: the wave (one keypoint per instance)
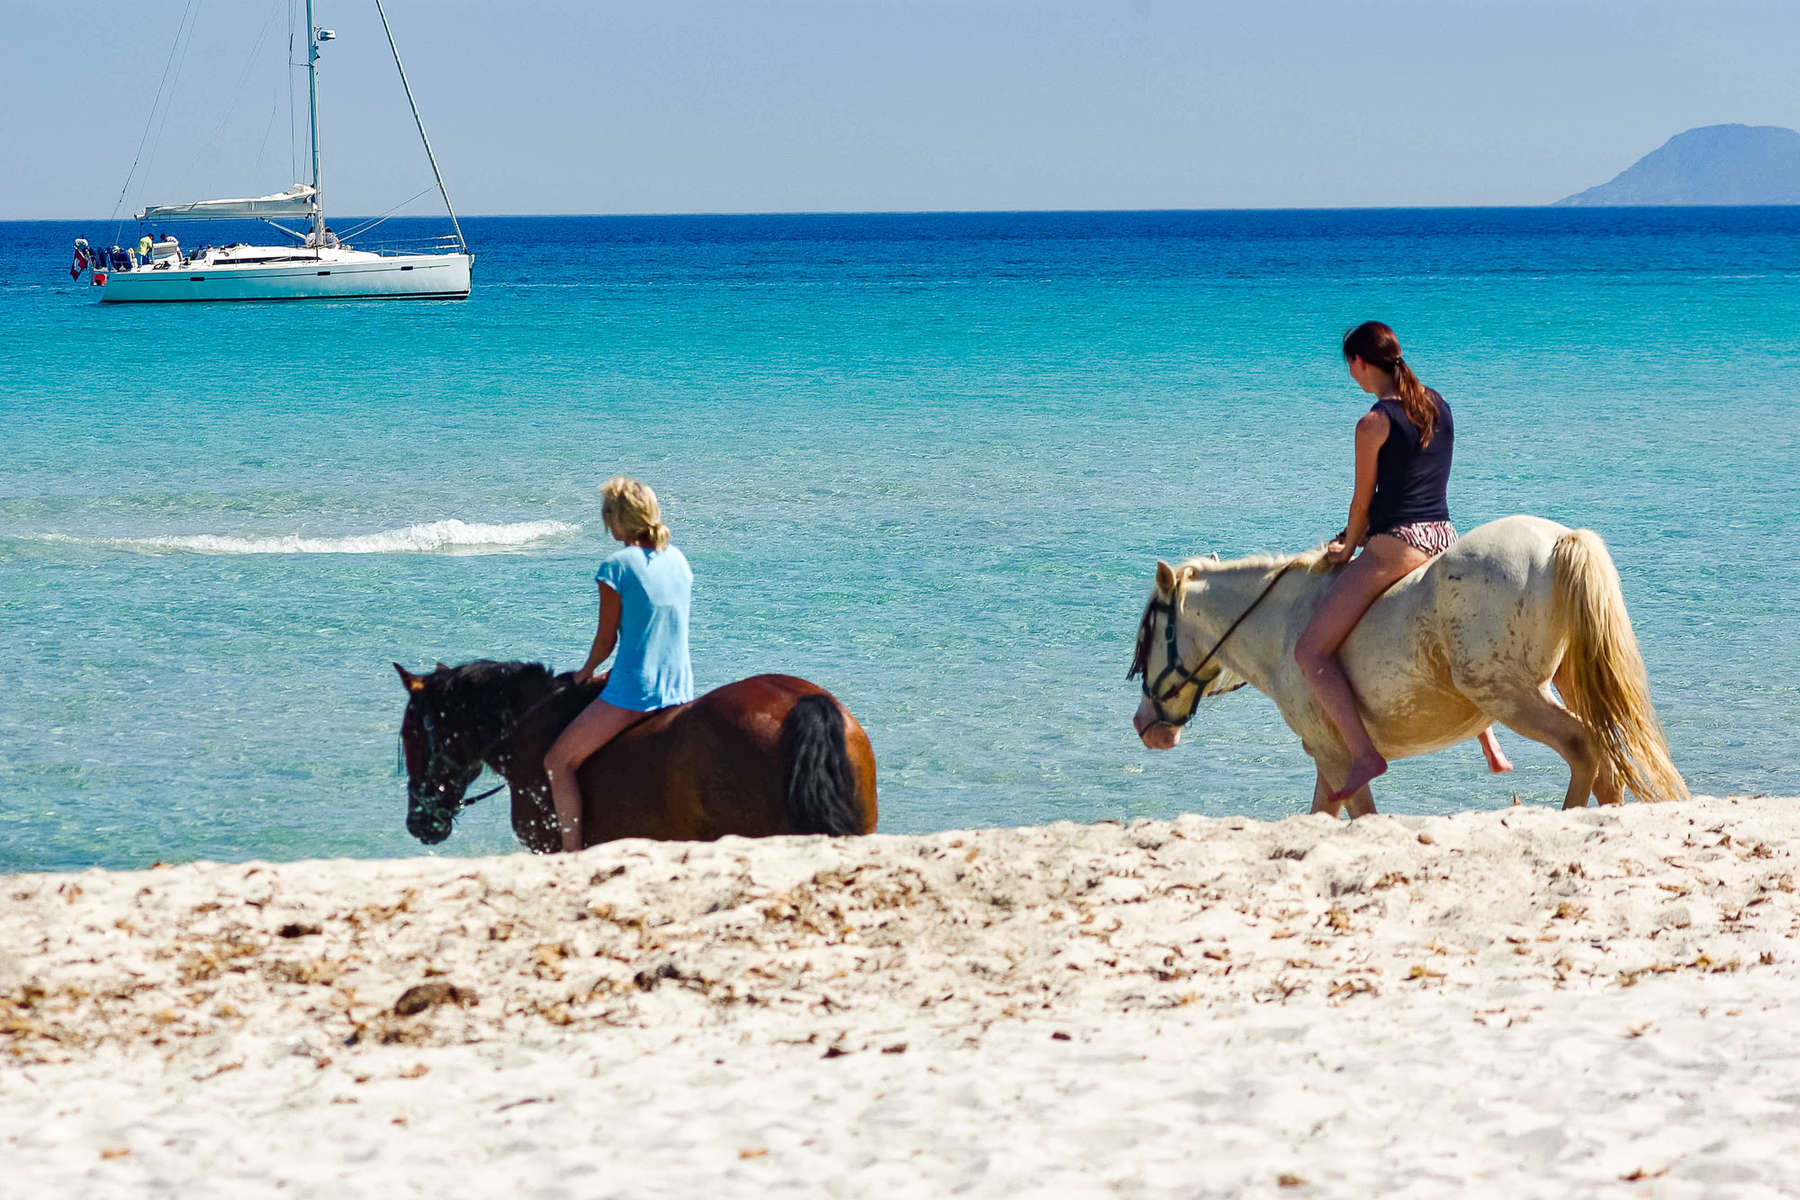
(435, 537)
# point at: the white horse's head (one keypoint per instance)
(1176, 672)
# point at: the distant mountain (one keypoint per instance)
(1715, 164)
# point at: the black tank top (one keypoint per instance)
(1411, 484)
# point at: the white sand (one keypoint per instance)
(1519, 1003)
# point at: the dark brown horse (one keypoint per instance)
(771, 754)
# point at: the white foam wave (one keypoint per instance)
(434, 537)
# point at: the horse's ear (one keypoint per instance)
(413, 682)
(441, 665)
(1165, 577)
(1215, 556)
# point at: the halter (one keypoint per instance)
(1154, 691)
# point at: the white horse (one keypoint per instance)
(1476, 635)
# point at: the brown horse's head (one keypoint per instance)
(444, 737)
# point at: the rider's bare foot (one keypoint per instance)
(1363, 771)
(1498, 763)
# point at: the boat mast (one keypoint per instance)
(312, 89)
(461, 243)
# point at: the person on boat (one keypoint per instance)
(1399, 519)
(143, 250)
(644, 593)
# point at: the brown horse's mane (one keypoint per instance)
(479, 691)
(474, 697)
(486, 673)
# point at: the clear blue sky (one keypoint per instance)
(581, 106)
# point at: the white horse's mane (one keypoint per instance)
(1311, 561)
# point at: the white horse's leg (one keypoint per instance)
(1322, 793)
(1606, 783)
(1606, 780)
(1360, 803)
(1538, 716)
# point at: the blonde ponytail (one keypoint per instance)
(631, 512)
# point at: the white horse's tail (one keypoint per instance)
(1603, 670)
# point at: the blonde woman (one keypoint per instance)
(644, 592)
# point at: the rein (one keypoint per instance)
(1154, 690)
(468, 800)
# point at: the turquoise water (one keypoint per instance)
(925, 461)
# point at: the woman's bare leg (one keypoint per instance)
(1383, 562)
(596, 725)
(1498, 763)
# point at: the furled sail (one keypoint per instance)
(296, 202)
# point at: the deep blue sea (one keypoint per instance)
(927, 461)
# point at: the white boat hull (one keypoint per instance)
(334, 275)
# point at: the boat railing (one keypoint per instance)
(404, 244)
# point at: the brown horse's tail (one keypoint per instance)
(821, 788)
(1602, 674)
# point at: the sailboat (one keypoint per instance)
(319, 266)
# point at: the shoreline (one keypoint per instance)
(1524, 997)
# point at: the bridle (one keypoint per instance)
(1154, 691)
(433, 756)
(493, 743)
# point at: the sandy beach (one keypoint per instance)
(1523, 1002)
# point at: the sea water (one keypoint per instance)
(926, 461)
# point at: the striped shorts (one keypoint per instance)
(1427, 537)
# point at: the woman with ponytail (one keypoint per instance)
(1399, 519)
(644, 592)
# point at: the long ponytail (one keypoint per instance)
(1376, 345)
(1417, 402)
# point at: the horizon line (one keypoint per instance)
(961, 212)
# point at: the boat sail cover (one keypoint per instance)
(297, 201)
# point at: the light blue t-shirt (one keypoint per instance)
(650, 669)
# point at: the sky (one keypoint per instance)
(672, 106)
